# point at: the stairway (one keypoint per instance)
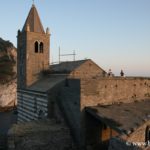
(3, 142)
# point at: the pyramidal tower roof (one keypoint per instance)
(33, 21)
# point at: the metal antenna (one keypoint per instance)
(59, 55)
(74, 55)
(62, 55)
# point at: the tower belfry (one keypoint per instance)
(33, 49)
(33, 21)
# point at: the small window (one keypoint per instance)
(41, 47)
(36, 47)
(147, 135)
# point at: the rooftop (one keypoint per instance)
(67, 67)
(123, 117)
(47, 82)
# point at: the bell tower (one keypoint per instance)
(33, 45)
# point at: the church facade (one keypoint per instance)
(79, 93)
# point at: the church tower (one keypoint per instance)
(33, 50)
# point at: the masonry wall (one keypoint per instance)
(138, 136)
(30, 64)
(134, 141)
(87, 70)
(68, 100)
(21, 56)
(31, 105)
(36, 62)
(111, 90)
(54, 105)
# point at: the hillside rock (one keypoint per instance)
(8, 58)
(8, 96)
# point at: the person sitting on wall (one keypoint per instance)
(122, 73)
(109, 73)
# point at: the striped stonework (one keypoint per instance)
(32, 105)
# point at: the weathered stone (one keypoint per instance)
(40, 135)
(8, 96)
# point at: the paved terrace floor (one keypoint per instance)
(124, 118)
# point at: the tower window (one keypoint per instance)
(36, 47)
(41, 47)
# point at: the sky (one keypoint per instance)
(113, 33)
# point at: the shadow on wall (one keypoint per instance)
(85, 129)
(64, 102)
(97, 133)
(69, 102)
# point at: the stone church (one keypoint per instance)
(101, 111)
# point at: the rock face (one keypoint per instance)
(8, 55)
(8, 96)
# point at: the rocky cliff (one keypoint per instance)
(8, 55)
(8, 96)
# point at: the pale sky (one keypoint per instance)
(113, 33)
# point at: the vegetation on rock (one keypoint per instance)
(8, 56)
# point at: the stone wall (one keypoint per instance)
(98, 91)
(87, 70)
(29, 63)
(36, 62)
(134, 141)
(68, 101)
(21, 56)
(138, 137)
(111, 90)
